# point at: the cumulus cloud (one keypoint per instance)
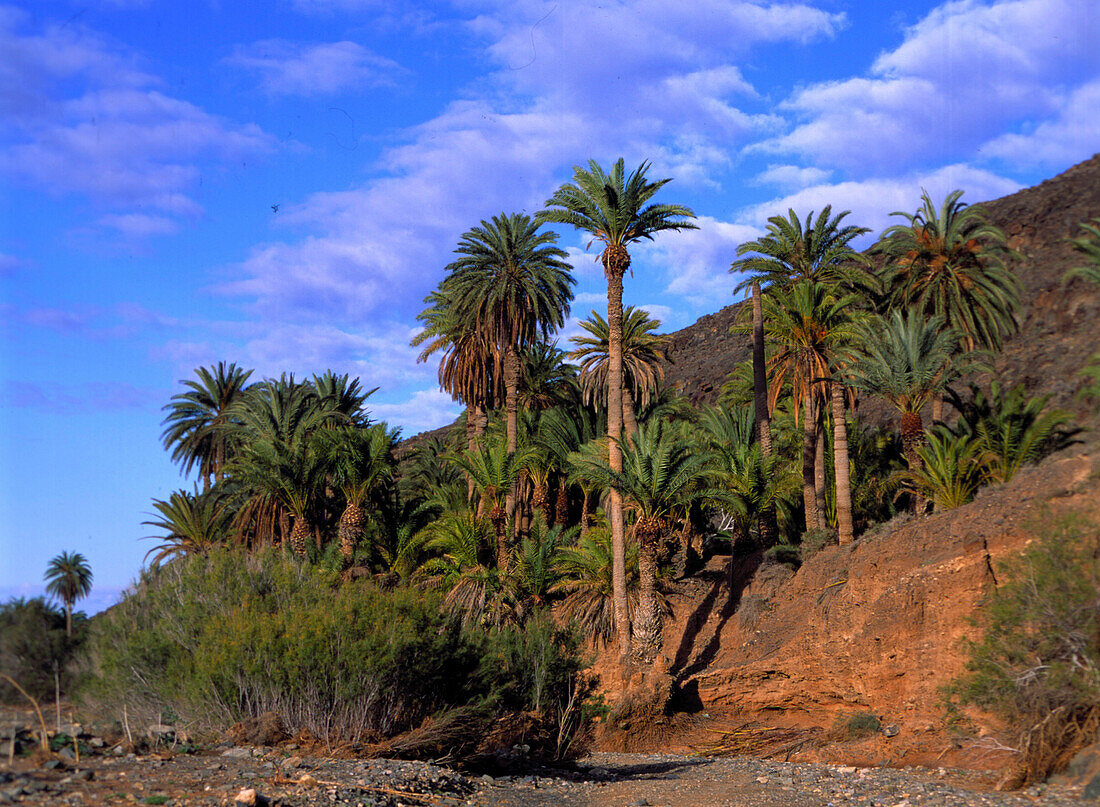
(424, 410)
(872, 201)
(697, 261)
(80, 116)
(1058, 141)
(960, 76)
(292, 68)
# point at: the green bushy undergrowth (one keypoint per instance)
(1037, 664)
(229, 636)
(33, 645)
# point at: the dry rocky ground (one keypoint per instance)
(278, 776)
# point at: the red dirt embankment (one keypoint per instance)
(872, 627)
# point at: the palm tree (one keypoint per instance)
(474, 589)
(535, 569)
(614, 209)
(951, 470)
(1010, 428)
(198, 426)
(513, 282)
(905, 358)
(819, 250)
(1089, 247)
(585, 572)
(810, 327)
(192, 522)
(643, 352)
(659, 481)
(69, 578)
(547, 379)
(361, 463)
(495, 471)
(748, 484)
(470, 367)
(342, 396)
(949, 263)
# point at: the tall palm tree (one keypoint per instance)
(69, 578)
(948, 262)
(810, 327)
(643, 352)
(513, 282)
(659, 481)
(470, 368)
(819, 250)
(614, 209)
(198, 426)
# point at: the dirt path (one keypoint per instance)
(601, 780)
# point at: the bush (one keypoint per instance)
(1037, 664)
(227, 637)
(856, 726)
(32, 646)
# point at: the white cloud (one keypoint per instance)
(961, 75)
(80, 117)
(423, 411)
(792, 176)
(697, 261)
(290, 68)
(872, 201)
(1058, 141)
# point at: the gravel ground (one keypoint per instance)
(281, 780)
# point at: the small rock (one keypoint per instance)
(67, 753)
(305, 780)
(291, 762)
(97, 742)
(248, 797)
(846, 769)
(599, 773)
(53, 764)
(639, 803)
(237, 753)
(891, 731)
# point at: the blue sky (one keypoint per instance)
(143, 145)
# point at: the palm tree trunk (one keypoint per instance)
(937, 407)
(561, 505)
(511, 412)
(769, 528)
(630, 423)
(471, 446)
(809, 454)
(819, 471)
(759, 375)
(614, 450)
(647, 626)
(68, 621)
(842, 478)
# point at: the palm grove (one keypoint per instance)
(578, 482)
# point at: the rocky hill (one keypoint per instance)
(1059, 323)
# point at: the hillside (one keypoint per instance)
(1059, 323)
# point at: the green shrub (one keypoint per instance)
(33, 645)
(1037, 664)
(225, 637)
(857, 726)
(784, 554)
